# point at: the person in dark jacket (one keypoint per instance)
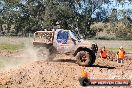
(94, 48)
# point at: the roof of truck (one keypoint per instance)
(43, 31)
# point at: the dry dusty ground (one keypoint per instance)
(60, 73)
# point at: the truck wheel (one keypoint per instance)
(84, 58)
(52, 53)
(42, 52)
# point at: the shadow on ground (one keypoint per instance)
(65, 60)
(74, 61)
(103, 66)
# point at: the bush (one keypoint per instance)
(105, 38)
(11, 47)
(123, 34)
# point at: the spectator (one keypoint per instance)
(103, 53)
(94, 48)
(120, 55)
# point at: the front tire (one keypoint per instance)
(85, 58)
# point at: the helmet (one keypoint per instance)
(121, 47)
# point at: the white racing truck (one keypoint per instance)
(65, 42)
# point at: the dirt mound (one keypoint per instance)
(61, 74)
(42, 74)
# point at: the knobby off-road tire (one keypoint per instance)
(47, 51)
(42, 52)
(52, 53)
(85, 58)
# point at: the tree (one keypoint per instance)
(88, 8)
(33, 15)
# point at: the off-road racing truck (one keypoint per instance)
(65, 42)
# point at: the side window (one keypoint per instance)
(62, 37)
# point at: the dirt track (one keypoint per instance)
(63, 73)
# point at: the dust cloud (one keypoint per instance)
(34, 53)
(24, 56)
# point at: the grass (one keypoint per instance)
(11, 47)
(126, 49)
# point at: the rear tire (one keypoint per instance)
(52, 53)
(42, 52)
(48, 52)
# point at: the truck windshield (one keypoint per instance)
(75, 36)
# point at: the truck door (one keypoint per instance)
(64, 42)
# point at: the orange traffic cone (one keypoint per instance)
(84, 73)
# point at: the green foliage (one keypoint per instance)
(105, 38)
(12, 1)
(126, 49)
(33, 15)
(11, 47)
(123, 35)
(40, 14)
